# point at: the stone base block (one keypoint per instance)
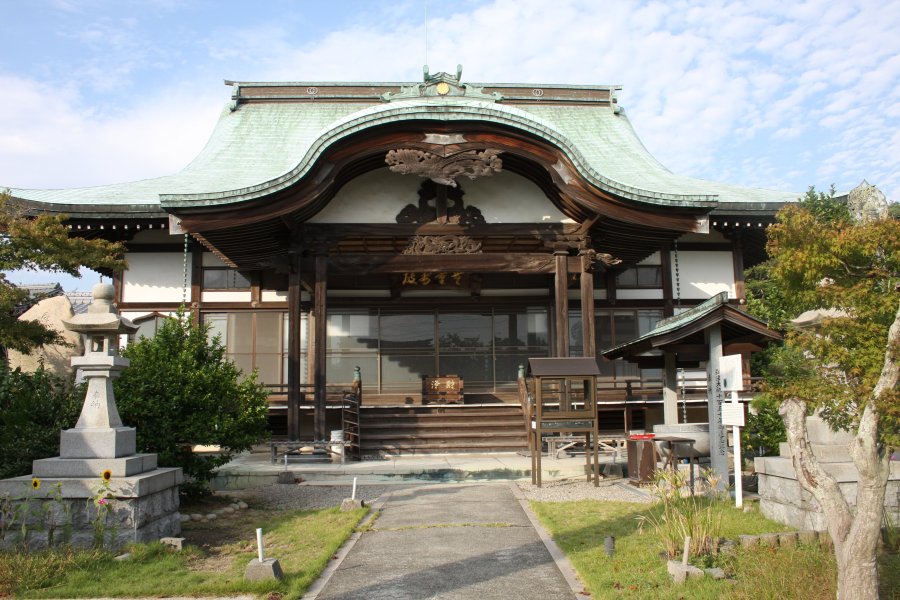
(143, 508)
(127, 466)
(269, 568)
(348, 504)
(105, 442)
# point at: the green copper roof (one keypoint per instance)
(686, 319)
(258, 148)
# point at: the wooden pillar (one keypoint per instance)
(665, 267)
(737, 254)
(561, 318)
(587, 306)
(670, 390)
(293, 375)
(321, 331)
(196, 281)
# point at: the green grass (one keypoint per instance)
(637, 569)
(303, 542)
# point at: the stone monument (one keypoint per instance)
(99, 453)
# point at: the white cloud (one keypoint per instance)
(776, 88)
(49, 139)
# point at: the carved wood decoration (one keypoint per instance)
(443, 244)
(594, 260)
(444, 169)
(440, 204)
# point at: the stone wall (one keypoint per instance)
(783, 500)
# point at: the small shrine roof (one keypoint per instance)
(694, 321)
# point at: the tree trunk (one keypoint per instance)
(855, 538)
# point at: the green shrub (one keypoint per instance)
(181, 391)
(34, 408)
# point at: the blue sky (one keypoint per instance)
(767, 93)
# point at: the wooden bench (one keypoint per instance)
(293, 448)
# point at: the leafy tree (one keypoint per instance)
(34, 407)
(181, 391)
(41, 243)
(764, 429)
(846, 368)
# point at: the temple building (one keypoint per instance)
(433, 234)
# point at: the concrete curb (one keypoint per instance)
(319, 584)
(562, 562)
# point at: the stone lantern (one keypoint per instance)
(99, 432)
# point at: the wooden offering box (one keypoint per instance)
(444, 389)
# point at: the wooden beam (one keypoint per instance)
(526, 263)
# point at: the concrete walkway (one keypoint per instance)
(455, 541)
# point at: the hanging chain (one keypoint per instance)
(683, 399)
(677, 277)
(184, 286)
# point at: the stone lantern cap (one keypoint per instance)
(101, 316)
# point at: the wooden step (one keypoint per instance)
(442, 428)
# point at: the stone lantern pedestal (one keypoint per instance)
(143, 499)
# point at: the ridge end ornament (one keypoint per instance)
(444, 170)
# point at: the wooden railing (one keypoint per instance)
(350, 421)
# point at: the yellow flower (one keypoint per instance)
(106, 475)
(35, 483)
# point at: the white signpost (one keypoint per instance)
(733, 414)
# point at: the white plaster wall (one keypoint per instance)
(508, 198)
(640, 294)
(653, 259)
(378, 196)
(154, 277)
(211, 260)
(273, 296)
(705, 274)
(375, 197)
(236, 296)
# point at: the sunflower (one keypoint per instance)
(106, 475)
(35, 483)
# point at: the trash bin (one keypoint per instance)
(641, 459)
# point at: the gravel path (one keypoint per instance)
(564, 490)
(305, 496)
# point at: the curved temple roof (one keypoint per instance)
(271, 135)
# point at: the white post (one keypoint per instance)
(353, 493)
(259, 544)
(736, 433)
